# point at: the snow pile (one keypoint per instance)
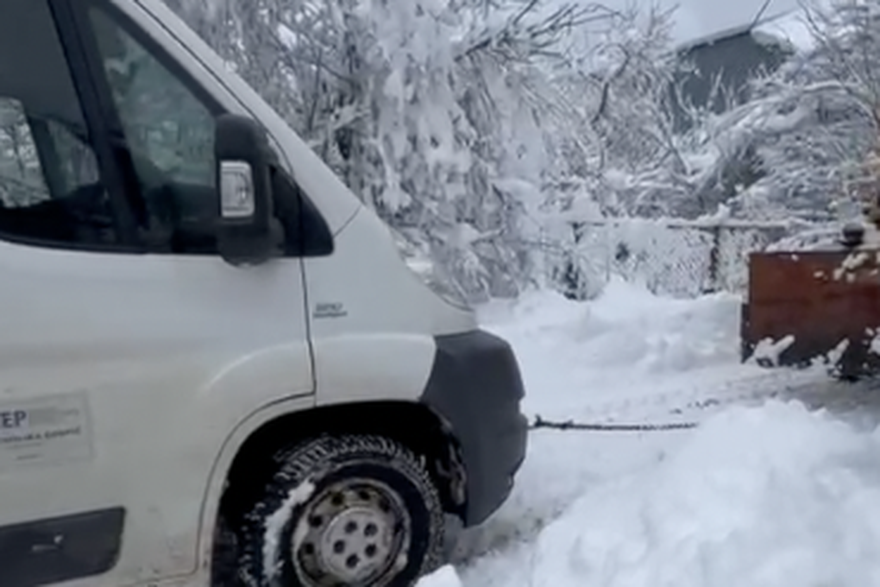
(764, 497)
(759, 494)
(559, 469)
(627, 326)
(575, 351)
(443, 577)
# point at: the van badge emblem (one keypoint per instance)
(329, 310)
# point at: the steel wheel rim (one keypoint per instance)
(354, 532)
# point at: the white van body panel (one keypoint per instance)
(378, 290)
(151, 357)
(202, 576)
(380, 319)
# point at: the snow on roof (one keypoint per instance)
(791, 27)
(713, 38)
(787, 28)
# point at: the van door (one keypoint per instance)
(128, 349)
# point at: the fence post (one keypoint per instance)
(714, 261)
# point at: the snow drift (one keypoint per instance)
(756, 497)
(627, 343)
(629, 326)
(765, 495)
(443, 577)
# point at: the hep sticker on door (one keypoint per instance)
(48, 430)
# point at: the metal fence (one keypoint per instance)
(677, 258)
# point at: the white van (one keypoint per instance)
(238, 385)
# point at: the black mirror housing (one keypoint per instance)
(247, 231)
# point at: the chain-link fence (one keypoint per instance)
(676, 258)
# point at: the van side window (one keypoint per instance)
(162, 119)
(169, 133)
(50, 188)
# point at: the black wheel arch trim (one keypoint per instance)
(475, 385)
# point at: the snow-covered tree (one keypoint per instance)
(439, 114)
(791, 148)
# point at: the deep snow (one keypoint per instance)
(630, 353)
(445, 577)
(764, 493)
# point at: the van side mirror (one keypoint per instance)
(247, 231)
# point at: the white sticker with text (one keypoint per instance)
(47, 430)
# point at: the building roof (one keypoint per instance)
(737, 31)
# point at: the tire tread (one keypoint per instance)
(311, 460)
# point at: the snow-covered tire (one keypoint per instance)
(350, 510)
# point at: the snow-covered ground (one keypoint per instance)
(768, 491)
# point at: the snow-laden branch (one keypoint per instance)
(518, 39)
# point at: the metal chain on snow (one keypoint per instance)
(698, 404)
(610, 427)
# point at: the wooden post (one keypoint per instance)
(714, 261)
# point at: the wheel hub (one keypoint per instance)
(355, 543)
(353, 534)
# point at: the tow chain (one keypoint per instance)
(695, 404)
(610, 427)
(830, 389)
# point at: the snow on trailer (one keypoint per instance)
(813, 306)
(822, 304)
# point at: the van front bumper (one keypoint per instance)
(475, 385)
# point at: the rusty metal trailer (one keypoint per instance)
(809, 306)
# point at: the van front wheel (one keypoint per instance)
(351, 510)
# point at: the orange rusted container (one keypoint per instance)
(816, 305)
